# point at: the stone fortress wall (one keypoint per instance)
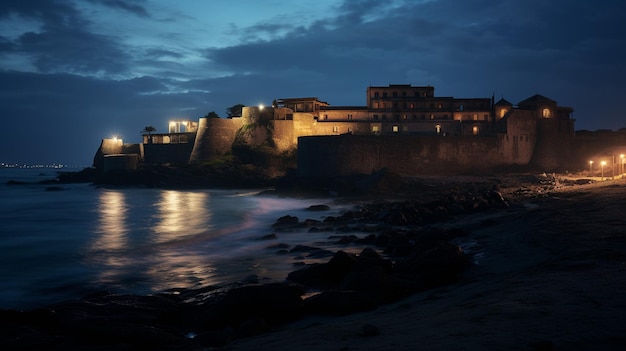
(464, 136)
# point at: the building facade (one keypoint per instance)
(535, 130)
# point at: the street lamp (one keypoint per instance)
(590, 166)
(602, 164)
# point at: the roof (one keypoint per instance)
(503, 101)
(537, 98)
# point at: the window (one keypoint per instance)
(486, 117)
(394, 129)
(503, 112)
(375, 129)
(412, 106)
(404, 117)
(432, 116)
(440, 106)
(376, 117)
(349, 116)
(438, 128)
(461, 107)
(394, 94)
(376, 94)
(545, 113)
(335, 129)
(475, 130)
(475, 116)
(375, 105)
(325, 117)
(384, 94)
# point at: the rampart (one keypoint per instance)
(327, 156)
(214, 138)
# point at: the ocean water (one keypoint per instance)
(62, 245)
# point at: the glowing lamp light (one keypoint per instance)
(603, 163)
(261, 107)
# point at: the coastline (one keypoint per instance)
(516, 295)
(550, 277)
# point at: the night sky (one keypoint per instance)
(74, 72)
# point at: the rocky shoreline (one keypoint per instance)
(405, 252)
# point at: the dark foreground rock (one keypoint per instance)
(186, 321)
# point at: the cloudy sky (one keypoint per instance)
(73, 72)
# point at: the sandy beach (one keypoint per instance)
(549, 273)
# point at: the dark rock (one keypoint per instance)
(275, 303)
(440, 264)
(286, 221)
(213, 338)
(269, 237)
(311, 222)
(251, 327)
(340, 302)
(318, 208)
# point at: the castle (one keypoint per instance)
(402, 127)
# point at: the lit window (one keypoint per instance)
(475, 117)
(438, 128)
(545, 113)
(375, 129)
(475, 130)
(394, 129)
(335, 129)
(503, 112)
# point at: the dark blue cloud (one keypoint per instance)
(570, 51)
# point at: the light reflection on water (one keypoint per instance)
(181, 214)
(56, 246)
(156, 251)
